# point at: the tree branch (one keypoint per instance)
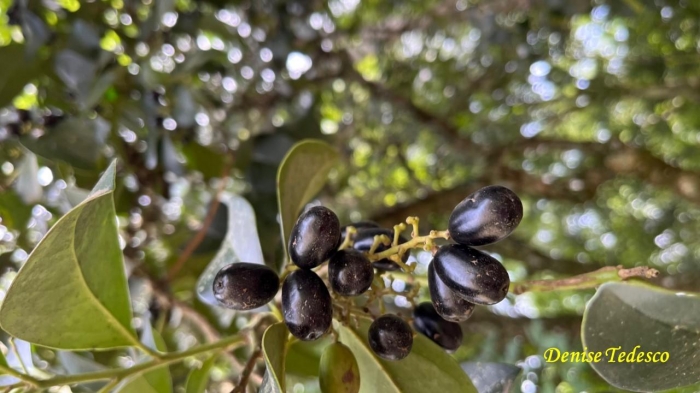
(197, 239)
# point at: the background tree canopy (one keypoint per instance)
(586, 109)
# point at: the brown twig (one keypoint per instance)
(243, 383)
(586, 280)
(199, 236)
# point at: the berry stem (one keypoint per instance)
(347, 242)
(415, 242)
(586, 280)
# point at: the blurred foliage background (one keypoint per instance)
(584, 108)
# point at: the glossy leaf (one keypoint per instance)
(75, 274)
(154, 381)
(627, 315)
(198, 379)
(301, 175)
(491, 377)
(427, 369)
(274, 346)
(241, 244)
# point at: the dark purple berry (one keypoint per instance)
(486, 216)
(364, 240)
(350, 273)
(473, 275)
(390, 337)
(443, 333)
(306, 305)
(358, 225)
(315, 237)
(245, 286)
(448, 304)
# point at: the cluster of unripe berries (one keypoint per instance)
(459, 276)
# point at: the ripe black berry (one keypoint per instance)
(358, 225)
(315, 237)
(473, 275)
(364, 240)
(447, 303)
(350, 273)
(390, 337)
(443, 333)
(245, 286)
(486, 216)
(306, 305)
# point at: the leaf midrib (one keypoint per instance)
(121, 328)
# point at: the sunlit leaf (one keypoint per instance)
(629, 315)
(274, 346)
(427, 369)
(301, 175)
(75, 274)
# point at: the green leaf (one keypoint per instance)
(274, 345)
(14, 75)
(77, 141)
(13, 212)
(491, 377)
(75, 274)
(304, 357)
(198, 379)
(627, 315)
(339, 372)
(155, 381)
(301, 175)
(427, 369)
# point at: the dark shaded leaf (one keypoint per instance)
(301, 175)
(628, 315)
(77, 141)
(14, 75)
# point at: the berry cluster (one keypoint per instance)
(459, 276)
